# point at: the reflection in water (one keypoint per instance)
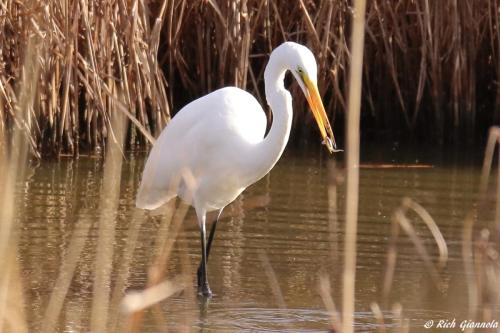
(292, 215)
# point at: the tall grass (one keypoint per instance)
(90, 51)
(429, 65)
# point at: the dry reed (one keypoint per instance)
(480, 245)
(352, 165)
(400, 220)
(12, 168)
(273, 280)
(429, 65)
(157, 289)
(110, 193)
(90, 51)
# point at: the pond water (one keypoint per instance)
(271, 247)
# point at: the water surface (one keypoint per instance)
(292, 221)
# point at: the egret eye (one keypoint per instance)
(300, 73)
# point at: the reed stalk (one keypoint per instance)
(13, 164)
(479, 253)
(65, 276)
(352, 164)
(400, 220)
(106, 233)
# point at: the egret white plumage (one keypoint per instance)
(219, 140)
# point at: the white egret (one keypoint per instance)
(219, 139)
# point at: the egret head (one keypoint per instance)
(301, 62)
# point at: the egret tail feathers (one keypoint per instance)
(153, 198)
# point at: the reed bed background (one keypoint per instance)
(431, 68)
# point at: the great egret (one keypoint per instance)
(219, 141)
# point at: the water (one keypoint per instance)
(288, 227)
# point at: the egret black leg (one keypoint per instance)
(203, 287)
(211, 236)
(209, 246)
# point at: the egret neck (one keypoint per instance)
(267, 152)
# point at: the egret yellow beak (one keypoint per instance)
(318, 110)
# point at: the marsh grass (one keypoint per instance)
(88, 52)
(431, 67)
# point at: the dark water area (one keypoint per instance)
(291, 221)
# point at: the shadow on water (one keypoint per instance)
(292, 215)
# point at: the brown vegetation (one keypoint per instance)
(89, 55)
(430, 65)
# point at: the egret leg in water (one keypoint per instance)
(203, 288)
(201, 270)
